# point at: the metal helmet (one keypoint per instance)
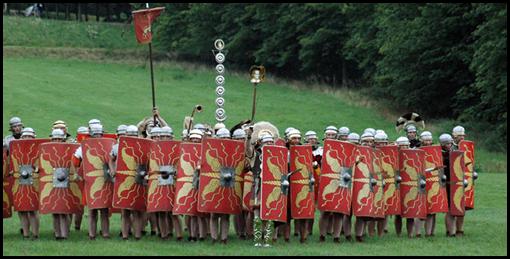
(155, 132)
(83, 130)
(196, 133)
(402, 141)
(239, 134)
(381, 137)
(458, 131)
(310, 135)
(121, 129)
(58, 133)
(96, 129)
(294, 133)
(28, 132)
(218, 126)
(59, 124)
(330, 129)
(410, 128)
(266, 137)
(200, 126)
(15, 121)
(166, 131)
(287, 130)
(370, 130)
(94, 121)
(367, 136)
(379, 131)
(353, 137)
(445, 139)
(343, 131)
(132, 130)
(223, 133)
(426, 135)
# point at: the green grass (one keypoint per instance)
(31, 31)
(485, 234)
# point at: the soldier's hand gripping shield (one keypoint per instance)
(274, 183)
(413, 186)
(59, 190)
(302, 182)
(23, 164)
(220, 188)
(130, 187)
(436, 180)
(457, 184)
(335, 186)
(164, 159)
(469, 160)
(96, 172)
(392, 179)
(186, 186)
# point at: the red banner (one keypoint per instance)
(143, 23)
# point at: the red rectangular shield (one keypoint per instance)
(273, 203)
(301, 183)
(186, 187)
(220, 176)
(59, 191)
(413, 186)
(130, 190)
(164, 157)
(378, 187)
(98, 182)
(390, 172)
(436, 188)
(248, 191)
(335, 181)
(456, 184)
(469, 160)
(362, 189)
(7, 190)
(25, 191)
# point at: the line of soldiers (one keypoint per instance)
(145, 175)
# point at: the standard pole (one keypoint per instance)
(253, 104)
(152, 82)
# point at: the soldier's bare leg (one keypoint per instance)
(460, 226)
(433, 224)
(337, 226)
(207, 222)
(358, 228)
(428, 224)
(346, 225)
(398, 224)
(78, 217)
(187, 222)
(92, 223)
(286, 232)
(163, 224)
(213, 224)
(323, 224)
(138, 223)
(193, 228)
(249, 224)
(410, 226)
(450, 225)
(380, 227)
(418, 223)
(64, 225)
(153, 222)
(176, 222)
(56, 226)
(202, 226)
(34, 223)
(25, 223)
(297, 227)
(386, 219)
(105, 223)
(126, 223)
(330, 224)
(310, 226)
(224, 222)
(370, 224)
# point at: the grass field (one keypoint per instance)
(41, 90)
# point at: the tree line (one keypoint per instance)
(442, 60)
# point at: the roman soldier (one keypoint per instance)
(244, 220)
(411, 132)
(380, 139)
(446, 142)
(402, 143)
(326, 218)
(60, 124)
(343, 133)
(311, 139)
(15, 126)
(459, 134)
(145, 125)
(353, 138)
